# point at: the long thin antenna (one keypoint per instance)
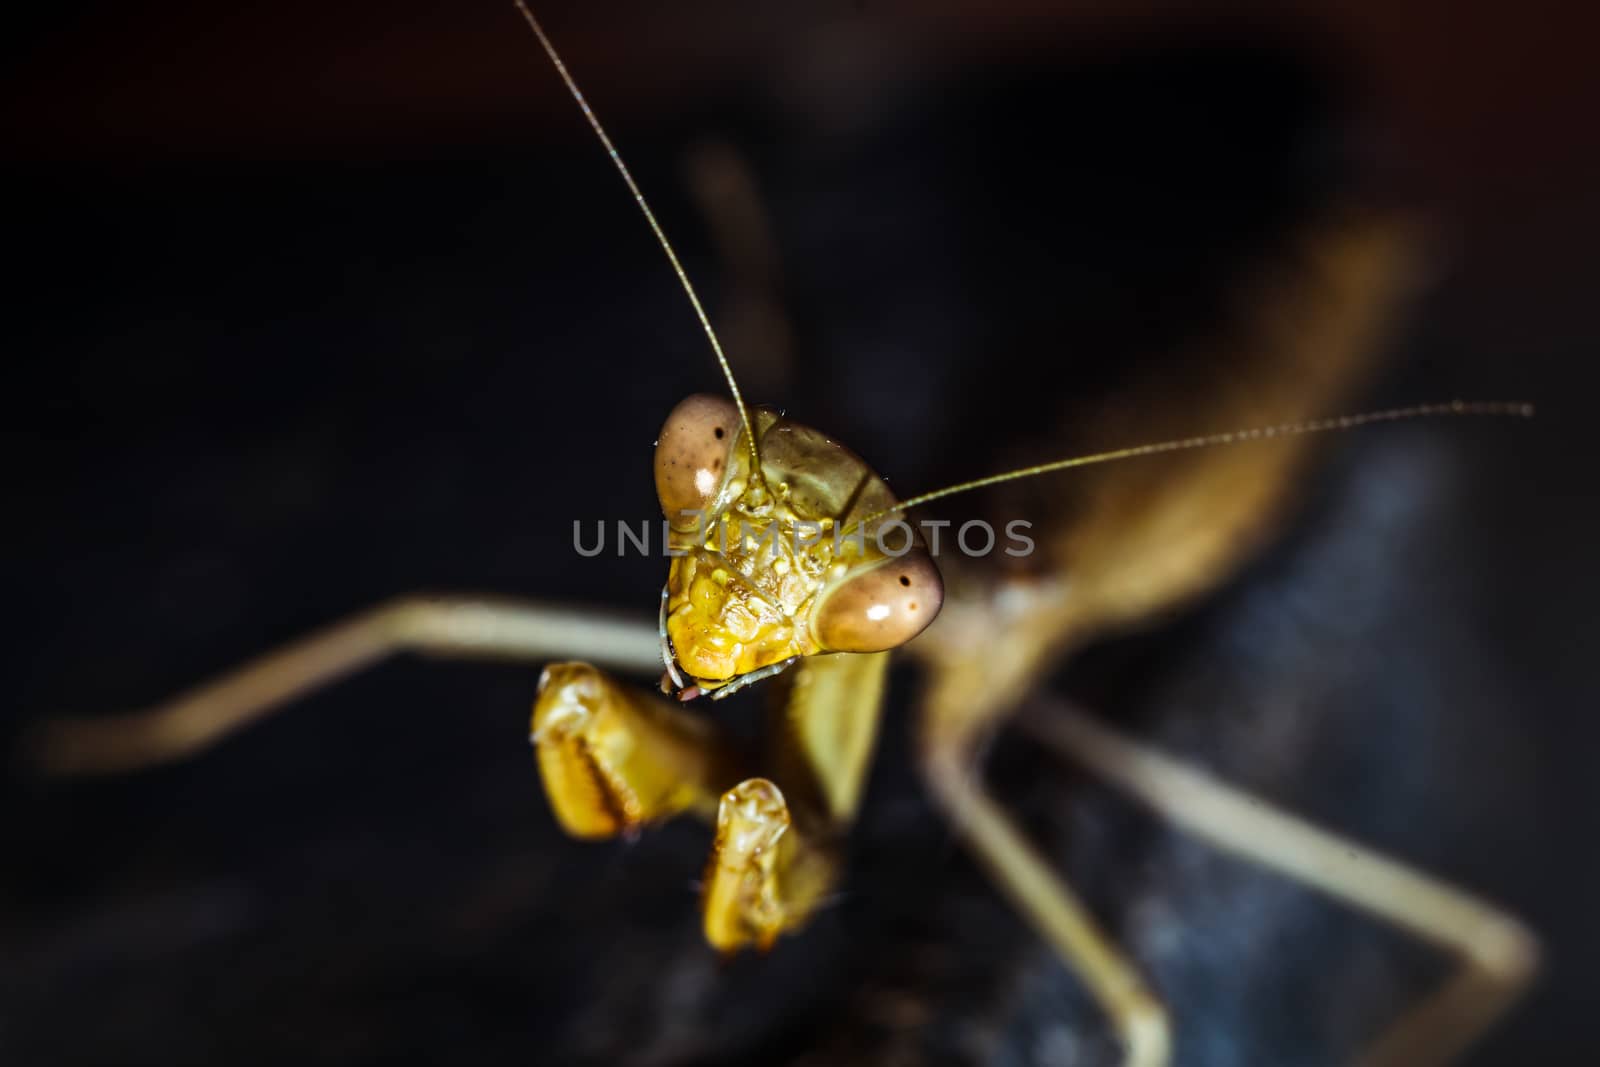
(1233, 437)
(655, 227)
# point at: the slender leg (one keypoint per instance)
(980, 665)
(445, 626)
(1499, 955)
(1047, 901)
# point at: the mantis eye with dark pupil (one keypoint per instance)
(692, 456)
(881, 608)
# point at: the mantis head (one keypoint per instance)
(791, 548)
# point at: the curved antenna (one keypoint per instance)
(1232, 437)
(655, 227)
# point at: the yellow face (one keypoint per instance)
(768, 568)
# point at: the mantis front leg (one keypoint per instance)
(614, 760)
(776, 857)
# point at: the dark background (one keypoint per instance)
(312, 308)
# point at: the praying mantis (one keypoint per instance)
(986, 651)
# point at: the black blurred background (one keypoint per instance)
(312, 307)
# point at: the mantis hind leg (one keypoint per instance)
(441, 626)
(1498, 955)
(1047, 901)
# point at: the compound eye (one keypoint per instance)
(692, 455)
(882, 608)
